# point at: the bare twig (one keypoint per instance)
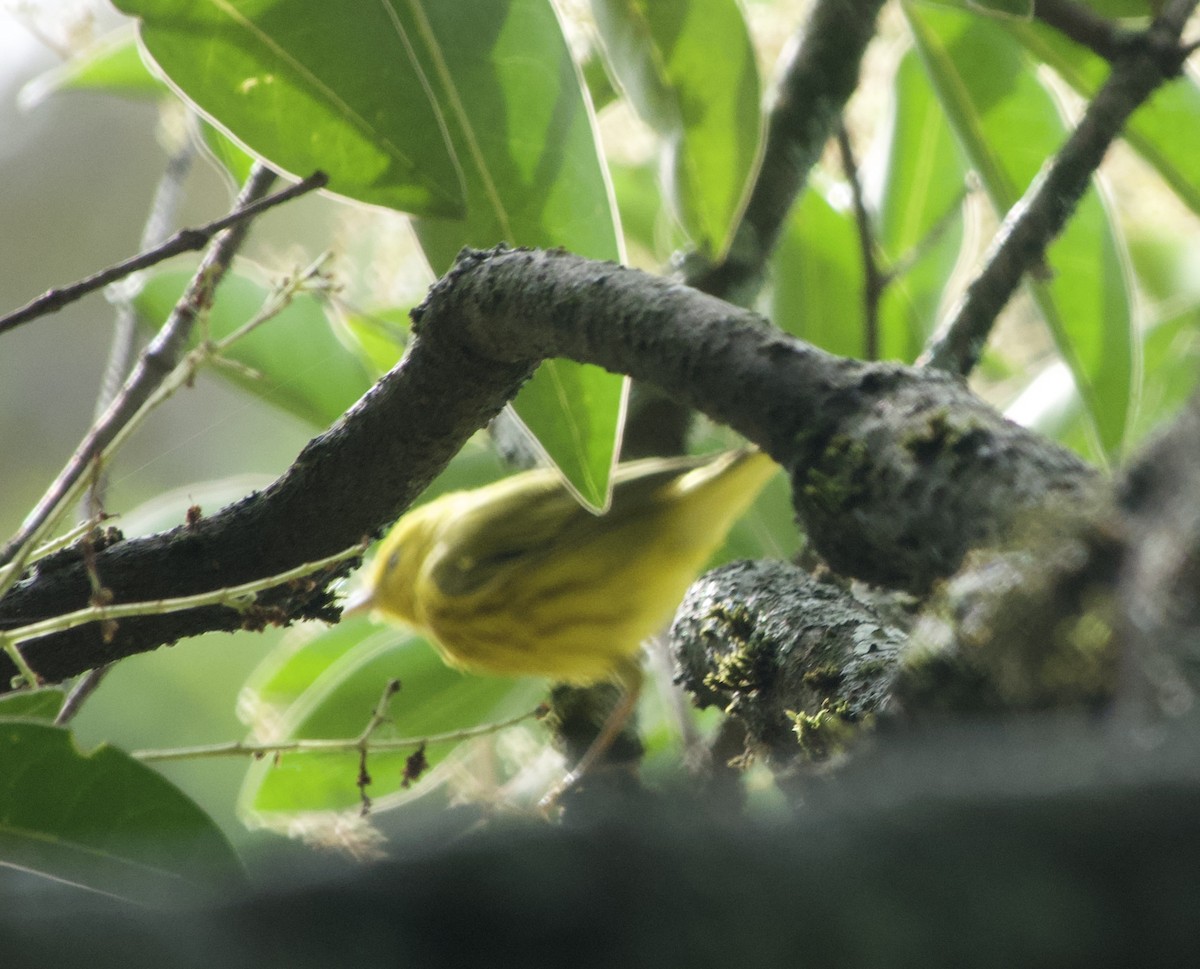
(1043, 212)
(185, 240)
(245, 748)
(874, 279)
(155, 363)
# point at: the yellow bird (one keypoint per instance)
(517, 579)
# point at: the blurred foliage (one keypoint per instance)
(476, 119)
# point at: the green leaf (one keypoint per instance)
(651, 235)
(32, 705)
(380, 335)
(309, 85)
(818, 277)
(1165, 131)
(304, 368)
(102, 820)
(112, 65)
(920, 224)
(575, 414)
(1019, 9)
(1008, 124)
(327, 686)
(227, 153)
(524, 134)
(688, 67)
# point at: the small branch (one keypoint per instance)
(812, 92)
(874, 279)
(240, 598)
(185, 240)
(155, 363)
(1040, 216)
(239, 748)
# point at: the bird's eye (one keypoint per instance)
(393, 560)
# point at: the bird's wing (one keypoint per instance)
(504, 530)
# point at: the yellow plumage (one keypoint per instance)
(516, 578)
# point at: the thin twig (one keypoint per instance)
(239, 748)
(874, 279)
(239, 597)
(1042, 213)
(185, 240)
(155, 363)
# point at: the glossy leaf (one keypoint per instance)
(228, 154)
(327, 686)
(688, 67)
(380, 335)
(304, 368)
(102, 820)
(1008, 124)
(920, 224)
(32, 705)
(651, 234)
(817, 272)
(306, 86)
(113, 65)
(1018, 9)
(524, 134)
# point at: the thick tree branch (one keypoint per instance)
(1037, 219)
(896, 471)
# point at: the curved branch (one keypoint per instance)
(896, 471)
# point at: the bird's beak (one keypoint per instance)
(360, 601)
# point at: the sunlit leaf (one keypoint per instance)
(524, 134)
(688, 67)
(920, 225)
(112, 65)
(102, 821)
(1020, 9)
(311, 85)
(817, 272)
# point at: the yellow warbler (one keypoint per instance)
(516, 578)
